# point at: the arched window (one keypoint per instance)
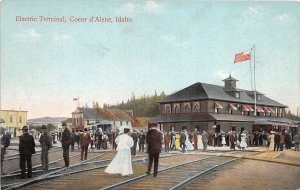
(168, 110)
(187, 108)
(177, 109)
(196, 108)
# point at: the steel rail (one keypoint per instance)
(187, 181)
(53, 174)
(10, 174)
(16, 173)
(39, 152)
(129, 181)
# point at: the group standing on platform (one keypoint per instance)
(127, 141)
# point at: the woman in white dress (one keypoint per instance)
(243, 143)
(188, 144)
(121, 164)
(271, 139)
(223, 139)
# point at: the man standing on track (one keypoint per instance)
(46, 142)
(85, 140)
(204, 140)
(195, 139)
(5, 140)
(26, 149)
(66, 141)
(182, 140)
(154, 141)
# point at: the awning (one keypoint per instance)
(250, 108)
(267, 109)
(271, 109)
(218, 105)
(247, 108)
(259, 109)
(232, 107)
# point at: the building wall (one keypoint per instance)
(14, 120)
(203, 106)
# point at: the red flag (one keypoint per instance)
(243, 56)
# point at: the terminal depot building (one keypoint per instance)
(220, 108)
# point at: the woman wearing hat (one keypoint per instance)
(121, 164)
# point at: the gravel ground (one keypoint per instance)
(250, 174)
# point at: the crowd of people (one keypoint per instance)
(127, 141)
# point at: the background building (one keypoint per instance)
(216, 108)
(14, 121)
(106, 119)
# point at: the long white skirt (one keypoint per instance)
(243, 143)
(121, 164)
(189, 145)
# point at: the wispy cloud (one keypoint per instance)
(172, 40)
(128, 7)
(97, 49)
(150, 7)
(284, 18)
(255, 11)
(221, 74)
(154, 7)
(61, 38)
(29, 33)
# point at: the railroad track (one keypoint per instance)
(83, 172)
(180, 175)
(84, 166)
(17, 156)
(9, 180)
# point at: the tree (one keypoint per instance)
(144, 106)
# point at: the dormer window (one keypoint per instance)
(258, 97)
(237, 94)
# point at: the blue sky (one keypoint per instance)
(168, 46)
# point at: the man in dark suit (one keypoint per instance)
(46, 144)
(276, 141)
(182, 141)
(5, 140)
(134, 136)
(65, 142)
(26, 149)
(154, 141)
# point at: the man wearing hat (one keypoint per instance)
(65, 142)
(26, 149)
(85, 140)
(5, 140)
(154, 140)
(45, 141)
(182, 141)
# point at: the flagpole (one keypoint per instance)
(255, 113)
